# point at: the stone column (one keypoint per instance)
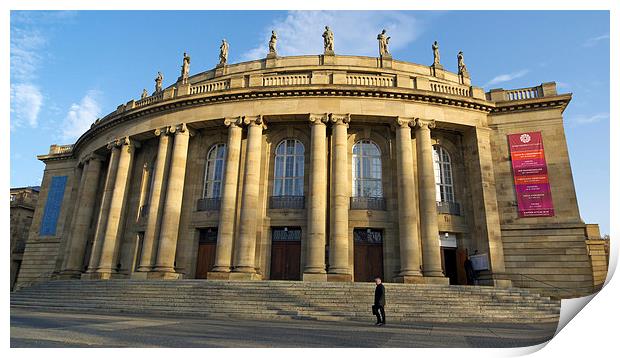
(339, 236)
(407, 210)
(114, 224)
(102, 219)
(244, 265)
(155, 203)
(84, 213)
(171, 217)
(429, 230)
(225, 231)
(314, 269)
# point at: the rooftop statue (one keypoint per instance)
(328, 41)
(158, 81)
(185, 68)
(383, 43)
(223, 52)
(461, 64)
(435, 53)
(145, 94)
(272, 42)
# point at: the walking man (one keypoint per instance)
(378, 308)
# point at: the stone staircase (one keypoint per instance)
(290, 300)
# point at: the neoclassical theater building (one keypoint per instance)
(322, 168)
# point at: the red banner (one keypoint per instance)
(529, 169)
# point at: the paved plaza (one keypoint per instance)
(30, 328)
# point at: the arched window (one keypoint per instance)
(214, 173)
(367, 170)
(288, 179)
(443, 175)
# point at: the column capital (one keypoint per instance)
(181, 129)
(340, 119)
(91, 156)
(404, 122)
(162, 131)
(233, 122)
(124, 141)
(255, 121)
(318, 118)
(425, 123)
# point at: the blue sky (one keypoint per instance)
(68, 68)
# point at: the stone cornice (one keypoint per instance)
(560, 101)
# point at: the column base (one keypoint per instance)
(67, 275)
(216, 275)
(339, 277)
(436, 280)
(161, 275)
(96, 276)
(407, 279)
(314, 277)
(244, 276)
(139, 275)
(487, 278)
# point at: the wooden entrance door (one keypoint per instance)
(285, 254)
(207, 243)
(449, 264)
(368, 254)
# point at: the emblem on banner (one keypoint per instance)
(525, 138)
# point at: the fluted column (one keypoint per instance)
(314, 269)
(225, 231)
(102, 219)
(114, 224)
(171, 217)
(407, 211)
(339, 236)
(244, 265)
(85, 206)
(155, 202)
(429, 230)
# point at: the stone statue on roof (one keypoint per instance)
(158, 82)
(185, 67)
(272, 42)
(383, 43)
(461, 64)
(145, 94)
(223, 52)
(435, 53)
(328, 41)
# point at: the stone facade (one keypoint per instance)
(23, 203)
(137, 202)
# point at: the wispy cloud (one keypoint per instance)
(355, 32)
(81, 115)
(593, 41)
(26, 102)
(506, 77)
(584, 119)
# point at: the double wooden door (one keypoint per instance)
(285, 254)
(368, 254)
(206, 252)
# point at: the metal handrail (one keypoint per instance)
(545, 283)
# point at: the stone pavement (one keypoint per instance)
(32, 328)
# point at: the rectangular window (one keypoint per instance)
(52, 206)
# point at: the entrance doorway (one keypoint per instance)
(285, 253)
(368, 254)
(449, 262)
(207, 243)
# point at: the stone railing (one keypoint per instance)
(449, 89)
(156, 97)
(367, 203)
(61, 149)
(524, 93)
(370, 80)
(208, 204)
(210, 87)
(287, 80)
(287, 202)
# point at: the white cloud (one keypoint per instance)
(26, 102)
(81, 115)
(354, 32)
(26, 46)
(506, 77)
(588, 119)
(592, 41)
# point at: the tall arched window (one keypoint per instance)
(214, 173)
(288, 179)
(367, 170)
(443, 174)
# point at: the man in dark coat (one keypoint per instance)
(378, 308)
